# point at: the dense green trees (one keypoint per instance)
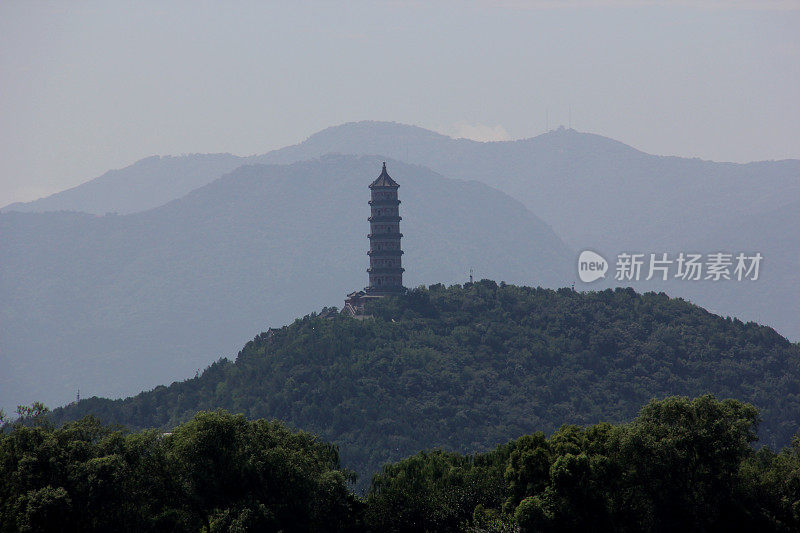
(433, 491)
(681, 464)
(217, 472)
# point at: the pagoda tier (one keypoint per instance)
(385, 218)
(384, 252)
(388, 236)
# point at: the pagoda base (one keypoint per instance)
(386, 291)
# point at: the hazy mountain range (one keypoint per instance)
(594, 191)
(194, 263)
(146, 184)
(116, 303)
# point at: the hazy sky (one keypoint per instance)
(89, 86)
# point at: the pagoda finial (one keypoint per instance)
(384, 166)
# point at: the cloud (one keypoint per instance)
(478, 132)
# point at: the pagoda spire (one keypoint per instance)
(384, 180)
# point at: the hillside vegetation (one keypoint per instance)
(466, 368)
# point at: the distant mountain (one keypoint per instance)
(595, 191)
(466, 368)
(118, 303)
(775, 297)
(146, 184)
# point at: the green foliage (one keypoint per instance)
(774, 481)
(679, 465)
(31, 414)
(217, 472)
(683, 459)
(436, 491)
(468, 367)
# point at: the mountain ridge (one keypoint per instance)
(326, 138)
(137, 187)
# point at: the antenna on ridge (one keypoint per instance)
(470, 275)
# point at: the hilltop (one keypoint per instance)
(468, 367)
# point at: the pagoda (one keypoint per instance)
(385, 269)
(385, 265)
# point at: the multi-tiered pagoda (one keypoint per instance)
(385, 270)
(385, 264)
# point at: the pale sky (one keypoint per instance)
(90, 86)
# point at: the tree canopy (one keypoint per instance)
(681, 464)
(217, 471)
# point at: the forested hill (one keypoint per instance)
(466, 368)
